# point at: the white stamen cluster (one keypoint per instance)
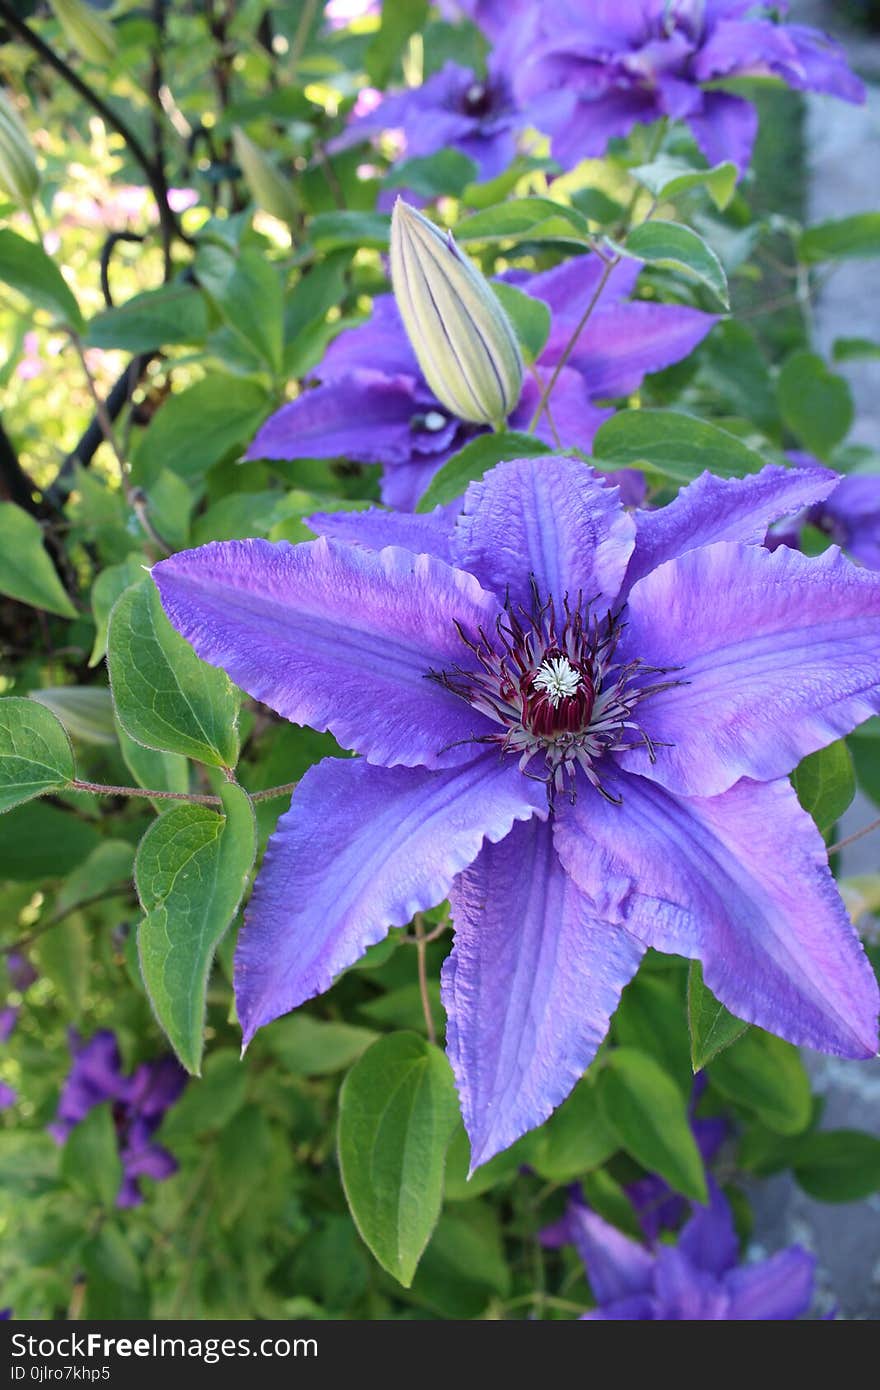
(558, 679)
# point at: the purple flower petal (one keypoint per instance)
(429, 534)
(724, 509)
(336, 637)
(709, 1238)
(640, 1307)
(380, 344)
(776, 655)
(775, 1290)
(360, 850)
(685, 1293)
(553, 520)
(725, 127)
(8, 1020)
(7, 1096)
(364, 416)
(529, 989)
(624, 342)
(617, 1266)
(740, 882)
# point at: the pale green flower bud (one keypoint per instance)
(464, 341)
(266, 186)
(86, 30)
(19, 177)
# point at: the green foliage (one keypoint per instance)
(165, 697)
(825, 783)
(712, 1028)
(35, 752)
(475, 459)
(645, 1110)
(674, 247)
(397, 1113)
(678, 447)
(26, 572)
(191, 872)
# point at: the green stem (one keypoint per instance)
(572, 342)
(101, 789)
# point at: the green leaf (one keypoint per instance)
(25, 267)
(191, 871)
(841, 239)
(109, 585)
(814, 402)
(464, 1264)
(35, 752)
(766, 1077)
(576, 1138)
(460, 1186)
(732, 363)
(855, 349)
(648, 1113)
(712, 1028)
(400, 19)
(152, 768)
(64, 956)
(108, 865)
(674, 247)
(90, 1160)
(525, 219)
(678, 446)
(838, 1165)
(530, 318)
(312, 1047)
(350, 230)
(165, 696)
(247, 290)
(154, 319)
(39, 841)
(475, 459)
(86, 711)
(444, 174)
(209, 1101)
(114, 1280)
(397, 1113)
(651, 1018)
(202, 426)
(825, 783)
(668, 176)
(26, 572)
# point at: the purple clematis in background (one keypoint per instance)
(850, 516)
(576, 724)
(699, 1279)
(139, 1103)
(455, 108)
(374, 405)
(614, 64)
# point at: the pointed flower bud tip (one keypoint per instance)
(465, 344)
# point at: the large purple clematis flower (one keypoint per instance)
(619, 63)
(374, 405)
(699, 1279)
(575, 724)
(139, 1102)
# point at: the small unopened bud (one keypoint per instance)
(87, 31)
(269, 190)
(19, 177)
(464, 341)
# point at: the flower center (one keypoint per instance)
(551, 682)
(431, 420)
(477, 100)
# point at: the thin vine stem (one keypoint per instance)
(570, 346)
(856, 835)
(198, 798)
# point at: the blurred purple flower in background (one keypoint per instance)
(850, 516)
(699, 1279)
(138, 1102)
(374, 405)
(456, 109)
(21, 975)
(614, 64)
(576, 724)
